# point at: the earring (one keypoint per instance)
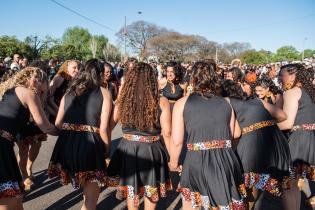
(190, 89)
(288, 86)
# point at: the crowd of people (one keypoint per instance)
(244, 131)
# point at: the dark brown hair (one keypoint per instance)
(205, 80)
(139, 98)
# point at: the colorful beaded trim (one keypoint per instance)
(264, 182)
(79, 178)
(257, 126)
(152, 193)
(10, 189)
(78, 127)
(304, 171)
(304, 127)
(197, 200)
(146, 139)
(7, 135)
(214, 144)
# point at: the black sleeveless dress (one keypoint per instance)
(168, 93)
(13, 115)
(139, 166)
(302, 139)
(79, 153)
(262, 148)
(211, 176)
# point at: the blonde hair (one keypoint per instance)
(21, 79)
(63, 70)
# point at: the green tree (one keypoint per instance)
(254, 57)
(10, 45)
(78, 38)
(308, 53)
(286, 53)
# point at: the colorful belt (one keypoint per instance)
(214, 144)
(146, 139)
(303, 127)
(79, 127)
(257, 126)
(172, 101)
(7, 135)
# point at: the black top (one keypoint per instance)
(306, 110)
(207, 118)
(60, 91)
(13, 115)
(167, 92)
(250, 111)
(85, 109)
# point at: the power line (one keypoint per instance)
(82, 16)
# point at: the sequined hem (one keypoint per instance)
(197, 200)
(10, 189)
(7, 135)
(265, 182)
(151, 192)
(146, 139)
(304, 171)
(79, 178)
(34, 139)
(303, 127)
(257, 126)
(79, 127)
(214, 144)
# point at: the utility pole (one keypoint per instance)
(216, 54)
(303, 48)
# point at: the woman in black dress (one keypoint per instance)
(83, 145)
(59, 84)
(107, 80)
(172, 87)
(299, 105)
(18, 99)
(262, 148)
(211, 176)
(140, 160)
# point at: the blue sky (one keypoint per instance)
(267, 24)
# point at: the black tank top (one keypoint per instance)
(85, 109)
(60, 91)
(207, 118)
(306, 110)
(167, 92)
(249, 112)
(13, 115)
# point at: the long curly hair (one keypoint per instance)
(266, 82)
(22, 79)
(63, 69)
(204, 79)
(303, 77)
(139, 98)
(88, 79)
(233, 89)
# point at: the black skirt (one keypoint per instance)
(11, 184)
(78, 157)
(140, 169)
